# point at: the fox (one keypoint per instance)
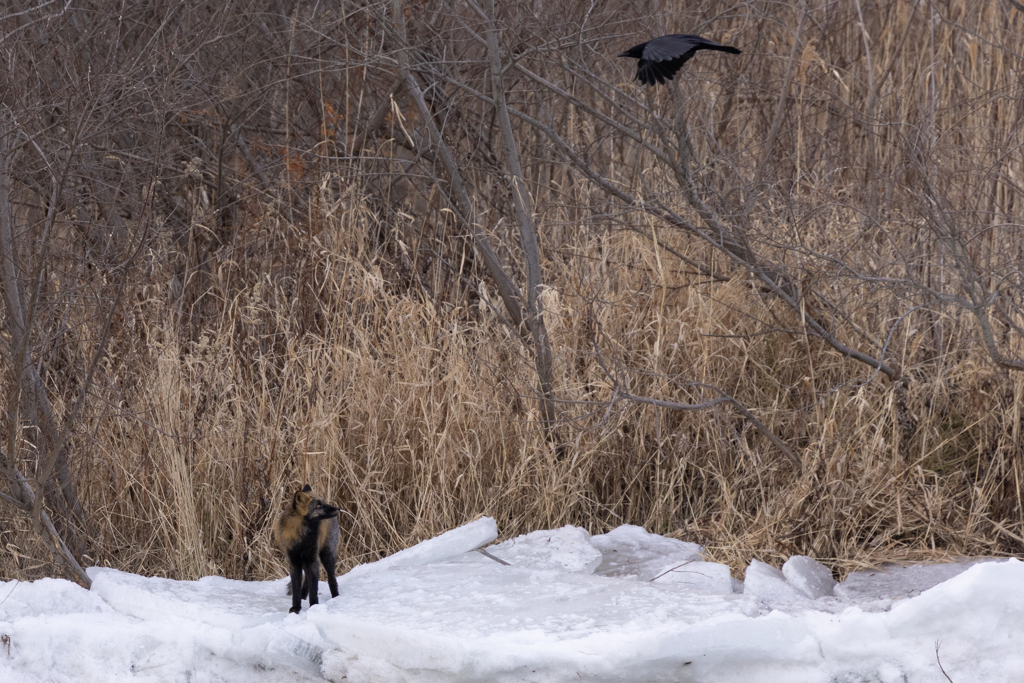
(307, 532)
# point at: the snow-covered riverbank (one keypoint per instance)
(560, 606)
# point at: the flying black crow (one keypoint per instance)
(662, 57)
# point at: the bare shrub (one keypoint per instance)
(289, 245)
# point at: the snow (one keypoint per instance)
(553, 605)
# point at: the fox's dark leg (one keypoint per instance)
(328, 559)
(305, 582)
(305, 579)
(296, 588)
(312, 577)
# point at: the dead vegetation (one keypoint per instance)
(257, 257)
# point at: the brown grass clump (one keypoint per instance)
(416, 418)
(339, 330)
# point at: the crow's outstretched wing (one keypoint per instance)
(673, 47)
(660, 58)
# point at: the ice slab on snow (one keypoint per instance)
(698, 577)
(809, 577)
(893, 581)
(566, 550)
(631, 552)
(439, 615)
(486, 621)
(768, 583)
(448, 545)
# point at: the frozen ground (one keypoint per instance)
(559, 606)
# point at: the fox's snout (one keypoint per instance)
(323, 511)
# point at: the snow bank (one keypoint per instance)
(558, 606)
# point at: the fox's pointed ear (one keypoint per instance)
(306, 489)
(301, 499)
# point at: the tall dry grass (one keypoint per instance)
(336, 347)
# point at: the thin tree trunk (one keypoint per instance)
(527, 232)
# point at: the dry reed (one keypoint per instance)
(336, 349)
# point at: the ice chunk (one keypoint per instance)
(768, 583)
(452, 543)
(630, 552)
(566, 550)
(809, 577)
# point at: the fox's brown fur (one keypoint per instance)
(308, 534)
